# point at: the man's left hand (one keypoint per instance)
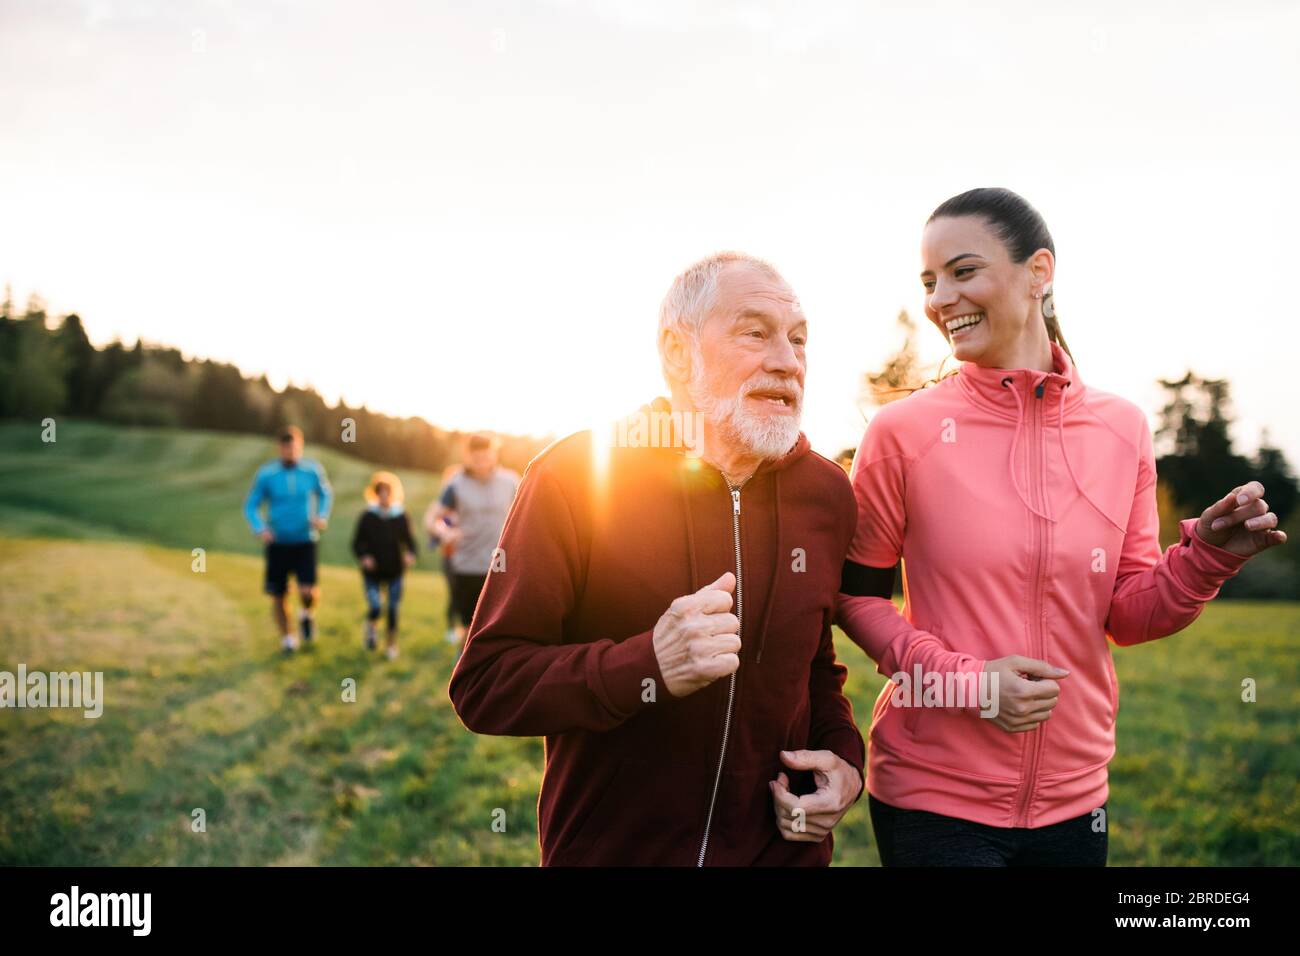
(811, 817)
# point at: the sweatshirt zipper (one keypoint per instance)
(1040, 650)
(731, 681)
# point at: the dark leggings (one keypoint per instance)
(374, 604)
(465, 591)
(921, 838)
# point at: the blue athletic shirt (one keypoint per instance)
(287, 490)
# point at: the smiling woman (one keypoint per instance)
(976, 297)
(1045, 486)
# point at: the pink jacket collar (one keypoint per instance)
(989, 387)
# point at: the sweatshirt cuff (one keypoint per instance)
(1215, 564)
(978, 682)
(624, 670)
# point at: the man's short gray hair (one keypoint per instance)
(693, 293)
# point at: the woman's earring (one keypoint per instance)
(1048, 307)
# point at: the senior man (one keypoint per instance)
(661, 611)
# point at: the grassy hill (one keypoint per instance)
(201, 711)
(169, 486)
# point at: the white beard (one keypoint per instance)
(765, 436)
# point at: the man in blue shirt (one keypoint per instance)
(290, 531)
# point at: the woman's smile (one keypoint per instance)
(959, 326)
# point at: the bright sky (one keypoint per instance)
(470, 211)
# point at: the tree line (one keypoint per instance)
(52, 368)
(48, 369)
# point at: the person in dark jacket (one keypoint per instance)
(384, 548)
(661, 602)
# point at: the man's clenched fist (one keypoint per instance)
(697, 640)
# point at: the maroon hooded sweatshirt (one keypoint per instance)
(561, 646)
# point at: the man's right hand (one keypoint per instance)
(266, 536)
(1027, 691)
(697, 640)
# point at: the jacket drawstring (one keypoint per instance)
(1065, 454)
(1060, 436)
(1011, 458)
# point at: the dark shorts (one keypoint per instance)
(465, 589)
(921, 838)
(285, 559)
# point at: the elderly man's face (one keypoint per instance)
(749, 366)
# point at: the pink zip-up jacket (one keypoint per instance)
(1023, 507)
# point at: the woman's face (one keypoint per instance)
(980, 300)
(383, 494)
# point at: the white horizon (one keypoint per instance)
(472, 218)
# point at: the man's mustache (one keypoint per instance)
(770, 387)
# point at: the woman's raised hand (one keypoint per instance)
(1240, 522)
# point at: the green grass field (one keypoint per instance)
(169, 486)
(202, 712)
